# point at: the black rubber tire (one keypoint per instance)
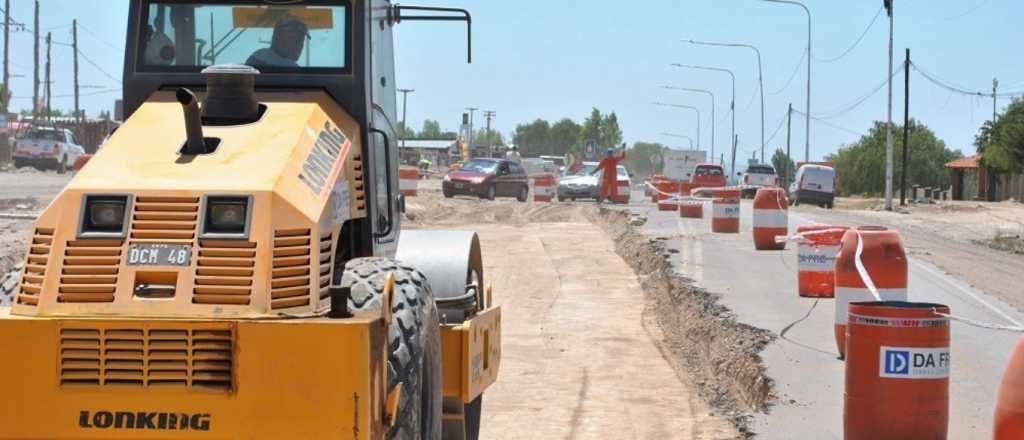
(828, 205)
(447, 194)
(9, 286)
(472, 412)
(414, 341)
(524, 193)
(18, 164)
(561, 199)
(62, 166)
(492, 192)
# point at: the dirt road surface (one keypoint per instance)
(580, 357)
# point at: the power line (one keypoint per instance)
(968, 12)
(829, 124)
(793, 75)
(117, 80)
(777, 129)
(956, 88)
(855, 43)
(862, 99)
(97, 37)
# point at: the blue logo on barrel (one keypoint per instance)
(897, 362)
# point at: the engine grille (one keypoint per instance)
(164, 218)
(35, 266)
(89, 271)
(290, 276)
(224, 272)
(326, 260)
(147, 357)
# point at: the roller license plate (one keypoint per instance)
(157, 254)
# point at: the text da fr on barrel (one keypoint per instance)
(817, 247)
(884, 264)
(725, 208)
(771, 219)
(897, 371)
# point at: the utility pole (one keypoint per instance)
(906, 129)
(74, 48)
(789, 137)
(49, 41)
(472, 111)
(489, 114)
(405, 125)
(35, 80)
(732, 166)
(888, 127)
(995, 87)
(7, 52)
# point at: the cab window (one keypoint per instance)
(273, 39)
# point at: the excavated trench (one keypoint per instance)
(701, 337)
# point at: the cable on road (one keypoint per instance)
(786, 329)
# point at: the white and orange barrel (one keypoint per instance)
(816, 260)
(771, 219)
(691, 209)
(408, 180)
(725, 208)
(1009, 414)
(623, 191)
(544, 185)
(884, 263)
(897, 371)
(668, 204)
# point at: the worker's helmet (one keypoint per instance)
(609, 152)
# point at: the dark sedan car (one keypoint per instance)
(487, 179)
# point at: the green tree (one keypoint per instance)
(533, 139)
(1001, 144)
(645, 158)
(591, 130)
(860, 167)
(494, 138)
(783, 166)
(431, 130)
(404, 132)
(611, 134)
(563, 136)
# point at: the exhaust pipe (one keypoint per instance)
(194, 143)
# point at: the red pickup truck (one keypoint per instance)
(708, 175)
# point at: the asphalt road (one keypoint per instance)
(760, 287)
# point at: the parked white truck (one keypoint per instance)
(679, 164)
(46, 148)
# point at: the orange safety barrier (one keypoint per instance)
(725, 208)
(816, 260)
(771, 219)
(544, 187)
(1009, 414)
(884, 261)
(668, 205)
(623, 191)
(897, 372)
(665, 188)
(408, 180)
(691, 209)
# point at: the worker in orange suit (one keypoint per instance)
(610, 180)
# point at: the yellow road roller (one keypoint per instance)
(231, 265)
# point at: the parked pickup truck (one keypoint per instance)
(46, 148)
(758, 176)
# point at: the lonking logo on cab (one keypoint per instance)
(144, 420)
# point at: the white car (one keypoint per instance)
(815, 184)
(758, 176)
(47, 148)
(580, 185)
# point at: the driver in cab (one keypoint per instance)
(285, 47)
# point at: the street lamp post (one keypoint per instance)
(662, 104)
(760, 78)
(732, 105)
(807, 150)
(680, 136)
(714, 121)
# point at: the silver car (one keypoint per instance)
(581, 185)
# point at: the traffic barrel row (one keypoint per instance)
(816, 260)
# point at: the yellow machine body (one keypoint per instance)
(242, 350)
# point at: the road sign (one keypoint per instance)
(590, 150)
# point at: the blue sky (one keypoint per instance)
(559, 58)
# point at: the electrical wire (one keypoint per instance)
(97, 37)
(777, 130)
(862, 99)
(956, 88)
(791, 76)
(855, 43)
(91, 62)
(830, 124)
(964, 14)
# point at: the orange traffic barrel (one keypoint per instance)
(1009, 416)
(668, 205)
(544, 187)
(623, 192)
(771, 218)
(81, 161)
(691, 209)
(897, 372)
(725, 208)
(666, 188)
(816, 260)
(884, 263)
(408, 179)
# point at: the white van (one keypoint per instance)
(814, 184)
